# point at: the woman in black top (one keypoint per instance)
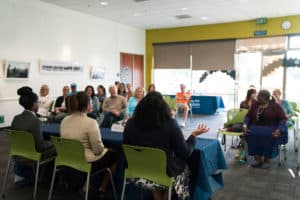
(153, 126)
(250, 99)
(101, 96)
(122, 90)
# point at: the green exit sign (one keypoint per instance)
(262, 20)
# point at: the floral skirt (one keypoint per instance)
(180, 184)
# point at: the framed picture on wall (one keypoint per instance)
(98, 73)
(16, 70)
(60, 67)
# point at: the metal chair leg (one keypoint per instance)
(87, 186)
(280, 157)
(295, 139)
(36, 179)
(298, 157)
(191, 115)
(284, 153)
(5, 178)
(170, 193)
(123, 189)
(224, 138)
(112, 183)
(52, 183)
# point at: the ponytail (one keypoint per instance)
(73, 104)
(78, 103)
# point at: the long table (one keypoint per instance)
(207, 161)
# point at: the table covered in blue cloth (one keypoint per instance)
(206, 162)
(207, 105)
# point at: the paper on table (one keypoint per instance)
(117, 128)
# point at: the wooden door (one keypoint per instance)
(126, 68)
(138, 71)
(132, 69)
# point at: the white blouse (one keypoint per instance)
(44, 107)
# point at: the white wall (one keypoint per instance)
(32, 30)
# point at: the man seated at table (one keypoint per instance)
(60, 107)
(182, 102)
(114, 108)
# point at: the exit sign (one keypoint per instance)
(262, 20)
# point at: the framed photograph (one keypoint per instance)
(16, 70)
(98, 73)
(60, 67)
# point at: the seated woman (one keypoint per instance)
(151, 88)
(129, 91)
(28, 121)
(122, 90)
(250, 98)
(134, 100)
(101, 96)
(45, 101)
(77, 126)
(153, 126)
(264, 122)
(288, 110)
(93, 102)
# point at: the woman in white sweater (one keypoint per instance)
(45, 101)
(78, 126)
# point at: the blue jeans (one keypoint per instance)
(110, 118)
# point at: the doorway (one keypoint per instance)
(132, 69)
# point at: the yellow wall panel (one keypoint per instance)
(233, 30)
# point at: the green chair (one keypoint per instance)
(147, 163)
(295, 128)
(22, 144)
(234, 116)
(70, 153)
(170, 101)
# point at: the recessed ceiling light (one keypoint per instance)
(184, 9)
(137, 14)
(204, 18)
(104, 3)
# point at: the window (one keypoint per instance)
(294, 42)
(167, 81)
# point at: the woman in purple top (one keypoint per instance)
(264, 127)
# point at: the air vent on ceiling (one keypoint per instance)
(140, 0)
(185, 16)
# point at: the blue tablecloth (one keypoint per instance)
(206, 162)
(207, 105)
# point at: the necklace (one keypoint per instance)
(259, 114)
(260, 111)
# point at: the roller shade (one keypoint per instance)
(172, 56)
(213, 55)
